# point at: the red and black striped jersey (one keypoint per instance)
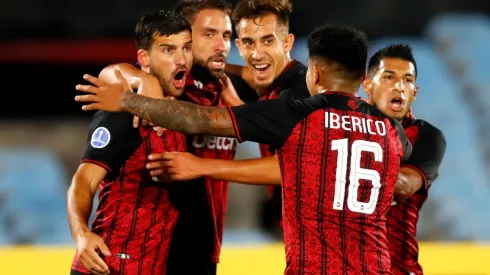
(339, 159)
(429, 146)
(135, 216)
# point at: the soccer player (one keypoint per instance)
(339, 156)
(199, 231)
(391, 87)
(264, 42)
(135, 216)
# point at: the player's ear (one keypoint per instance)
(143, 58)
(238, 46)
(288, 42)
(367, 85)
(415, 91)
(316, 74)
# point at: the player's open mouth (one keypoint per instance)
(261, 69)
(217, 63)
(179, 79)
(397, 104)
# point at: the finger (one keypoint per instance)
(163, 156)
(157, 172)
(94, 80)
(100, 265)
(155, 156)
(92, 107)
(154, 165)
(168, 155)
(86, 98)
(91, 265)
(104, 249)
(160, 131)
(87, 89)
(119, 76)
(136, 121)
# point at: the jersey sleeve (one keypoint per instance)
(109, 134)
(427, 155)
(270, 121)
(406, 145)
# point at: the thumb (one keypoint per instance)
(119, 76)
(104, 249)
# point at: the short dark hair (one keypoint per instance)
(341, 46)
(257, 8)
(189, 8)
(401, 51)
(159, 23)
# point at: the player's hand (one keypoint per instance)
(88, 247)
(102, 95)
(228, 92)
(174, 166)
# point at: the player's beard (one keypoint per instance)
(204, 64)
(164, 83)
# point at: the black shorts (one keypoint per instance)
(75, 272)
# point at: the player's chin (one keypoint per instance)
(175, 91)
(263, 83)
(217, 73)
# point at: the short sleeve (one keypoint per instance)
(427, 155)
(108, 140)
(406, 145)
(271, 121)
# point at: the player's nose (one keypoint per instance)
(399, 87)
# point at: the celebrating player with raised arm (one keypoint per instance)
(339, 156)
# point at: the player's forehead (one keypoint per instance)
(396, 65)
(258, 27)
(213, 19)
(178, 39)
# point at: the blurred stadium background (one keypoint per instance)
(46, 46)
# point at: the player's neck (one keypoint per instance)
(202, 73)
(339, 86)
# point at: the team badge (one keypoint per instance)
(100, 138)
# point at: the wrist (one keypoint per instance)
(206, 167)
(79, 232)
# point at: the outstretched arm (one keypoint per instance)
(180, 116)
(185, 166)
(269, 121)
(170, 114)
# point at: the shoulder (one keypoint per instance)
(427, 130)
(111, 122)
(295, 83)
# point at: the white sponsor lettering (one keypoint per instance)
(356, 124)
(212, 142)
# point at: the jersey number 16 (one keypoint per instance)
(356, 173)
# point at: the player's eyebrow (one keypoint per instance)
(393, 72)
(164, 45)
(268, 36)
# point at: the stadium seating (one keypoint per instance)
(33, 198)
